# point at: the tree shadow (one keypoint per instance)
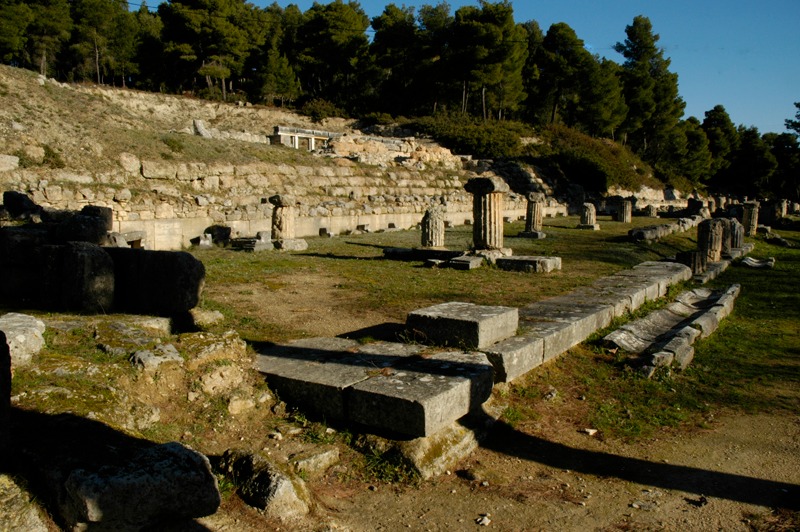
(503, 438)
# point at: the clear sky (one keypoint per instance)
(742, 54)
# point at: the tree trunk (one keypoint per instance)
(483, 101)
(224, 98)
(96, 58)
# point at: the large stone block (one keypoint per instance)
(22, 337)
(164, 482)
(463, 324)
(529, 264)
(421, 396)
(160, 283)
(314, 372)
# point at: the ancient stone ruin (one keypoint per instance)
(433, 222)
(589, 218)
(487, 210)
(534, 216)
(62, 261)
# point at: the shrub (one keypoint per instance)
(595, 164)
(319, 109)
(482, 139)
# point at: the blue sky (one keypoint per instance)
(742, 54)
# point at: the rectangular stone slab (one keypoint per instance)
(314, 372)
(463, 325)
(529, 264)
(422, 395)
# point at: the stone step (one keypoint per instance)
(463, 325)
(402, 388)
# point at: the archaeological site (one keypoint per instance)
(223, 316)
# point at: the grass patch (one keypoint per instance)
(750, 365)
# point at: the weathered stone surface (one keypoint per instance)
(315, 462)
(529, 264)
(681, 349)
(151, 360)
(23, 337)
(262, 485)
(8, 163)
(433, 455)
(515, 356)
(314, 372)
(221, 380)
(750, 218)
(625, 212)
(557, 336)
(695, 260)
(466, 262)
(421, 396)
(163, 482)
(463, 324)
(291, 244)
(204, 348)
(589, 217)
(204, 318)
(17, 509)
(432, 227)
(160, 283)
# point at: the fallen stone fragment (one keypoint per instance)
(167, 481)
(262, 485)
(755, 263)
(23, 336)
(151, 360)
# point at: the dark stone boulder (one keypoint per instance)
(165, 482)
(159, 283)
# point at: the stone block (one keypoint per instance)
(627, 341)
(291, 244)
(707, 322)
(557, 336)
(681, 348)
(159, 283)
(662, 359)
(433, 455)
(22, 337)
(314, 372)
(465, 262)
(529, 264)
(532, 234)
(587, 317)
(164, 481)
(421, 396)
(262, 485)
(463, 325)
(515, 356)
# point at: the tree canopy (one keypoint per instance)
(476, 65)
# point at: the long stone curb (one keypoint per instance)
(549, 328)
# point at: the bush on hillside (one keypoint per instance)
(595, 164)
(319, 109)
(482, 139)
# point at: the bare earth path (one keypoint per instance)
(719, 479)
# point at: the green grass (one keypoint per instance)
(395, 288)
(750, 364)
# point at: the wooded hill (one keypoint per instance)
(475, 79)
